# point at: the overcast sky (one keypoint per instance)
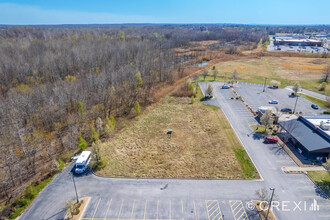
(164, 11)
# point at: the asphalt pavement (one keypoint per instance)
(133, 198)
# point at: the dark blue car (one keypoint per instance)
(314, 106)
(286, 110)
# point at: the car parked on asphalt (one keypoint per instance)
(225, 87)
(273, 102)
(314, 106)
(271, 140)
(286, 110)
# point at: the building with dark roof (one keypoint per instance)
(309, 134)
(296, 41)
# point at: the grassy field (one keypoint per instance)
(287, 70)
(322, 179)
(203, 144)
(319, 102)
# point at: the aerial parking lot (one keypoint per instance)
(303, 49)
(108, 208)
(255, 96)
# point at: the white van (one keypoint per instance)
(83, 161)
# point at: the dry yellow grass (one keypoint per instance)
(199, 148)
(287, 70)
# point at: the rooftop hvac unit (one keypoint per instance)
(325, 125)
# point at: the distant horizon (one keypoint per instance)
(150, 24)
(85, 12)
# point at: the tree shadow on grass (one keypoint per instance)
(323, 189)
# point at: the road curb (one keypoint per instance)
(327, 197)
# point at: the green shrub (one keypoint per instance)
(81, 110)
(101, 164)
(21, 203)
(109, 125)
(82, 143)
(326, 112)
(192, 99)
(61, 164)
(137, 108)
(94, 135)
(28, 195)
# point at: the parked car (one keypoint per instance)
(225, 87)
(314, 106)
(271, 140)
(75, 157)
(286, 110)
(273, 102)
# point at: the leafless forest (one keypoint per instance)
(56, 81)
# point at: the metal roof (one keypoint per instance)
(308, 136)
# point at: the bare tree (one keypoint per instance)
(99, 125)
(205, 74)
(210, 90)
(71, 207)
(234, 77)
(327, 101)
(296, 88)
(326, 75)
(267, 119)
(264, 195)
(215, 73)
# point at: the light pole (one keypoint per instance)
(264, 84)
(294, 109)
(270, 202)
(75, 189)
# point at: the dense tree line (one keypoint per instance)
(58, 83)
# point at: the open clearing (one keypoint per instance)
(287, 70)
(203, 144)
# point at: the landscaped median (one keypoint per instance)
(76, 210)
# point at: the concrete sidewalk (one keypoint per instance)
(302, 169)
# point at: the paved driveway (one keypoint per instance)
(253, 94)
(128, 198)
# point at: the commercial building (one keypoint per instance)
(310, 135)
(291, 41)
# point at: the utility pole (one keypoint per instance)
(270, 202)
(74, 184)
(294, 109)
(265, 84)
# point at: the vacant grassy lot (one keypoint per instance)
(287, 70)
(203, 145)
(322, 179)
